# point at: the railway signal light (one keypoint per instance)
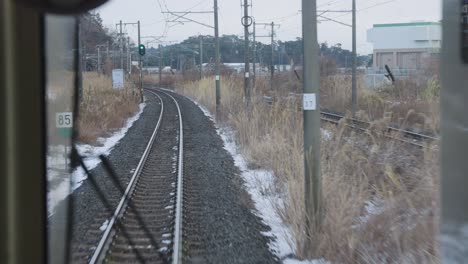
(142, 49)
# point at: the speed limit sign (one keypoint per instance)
(64, 120)
(64, 124)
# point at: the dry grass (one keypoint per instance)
(167, 81)
(380, 197)
(419, 98)
(104, 109)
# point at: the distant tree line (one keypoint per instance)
(232, 51)
(186, 53)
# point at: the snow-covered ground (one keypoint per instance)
(56, 163)
(259, 183)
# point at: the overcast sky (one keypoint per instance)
(283, 12)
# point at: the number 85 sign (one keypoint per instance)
(64, 120)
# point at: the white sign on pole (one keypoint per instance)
(118, 79)
(310, 102)
(64, 120)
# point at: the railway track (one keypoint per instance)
(146, 227)
(406, 136)
(335, 118)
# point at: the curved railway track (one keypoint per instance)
(147, 224)
(335, 118)
(406, 136)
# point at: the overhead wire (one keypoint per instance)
(366, 8)
(329, 3)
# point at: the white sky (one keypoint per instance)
(284, 12)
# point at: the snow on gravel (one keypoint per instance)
(258, 184)
(92, 153)
(104, 226)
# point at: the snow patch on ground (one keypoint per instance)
(454, 242)
(260, 185)
(104, 226)
(372, 208)
(91, 159)
(295, 261)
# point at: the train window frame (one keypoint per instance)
(63, 7)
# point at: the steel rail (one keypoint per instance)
(177, 250)
(332, 117)
(328, 115)
(394, 129)
(335, 118)
(109, 233)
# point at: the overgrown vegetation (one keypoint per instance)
(380, 197)
(181, 55)
(104, 109)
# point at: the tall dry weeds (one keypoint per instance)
(104, 109)
(380, 197)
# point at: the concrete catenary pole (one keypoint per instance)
(139, 63)
(81, 65)
(354, 71)
(107, 50)
(312, 137)
(217, 67)
(121, 46)
(254, 60)
(129, 61)
(98, 60)
(160, 63)
(201, 57)
(454, 141)
(246, 51)
(272, 70)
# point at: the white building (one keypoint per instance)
(404, 45)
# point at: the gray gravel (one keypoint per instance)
(89, 211)
(223, 227)
(219, 223)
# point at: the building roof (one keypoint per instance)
(411, 24)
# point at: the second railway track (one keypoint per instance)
(147, 224)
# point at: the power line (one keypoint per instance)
(379, 4)
(333, 20)
(368, 7)
(283, 18)
(330, 3)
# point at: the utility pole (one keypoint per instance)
(354, 73)
(107, 57)
(139, 63)
(80, 63)
(121, 45)
(131, 66)
(181, 17)
(98, 59)
(217, 70)
(107, 50)
(246, 22)
(272, 55)
(272, 36)
(160, 64)
(254, 79)
(129, 60)
(312, 136)
(201, 57)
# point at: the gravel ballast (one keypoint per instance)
(88, 210)
(224, 228)
(220, 224)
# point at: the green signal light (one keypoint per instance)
(142, 49)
